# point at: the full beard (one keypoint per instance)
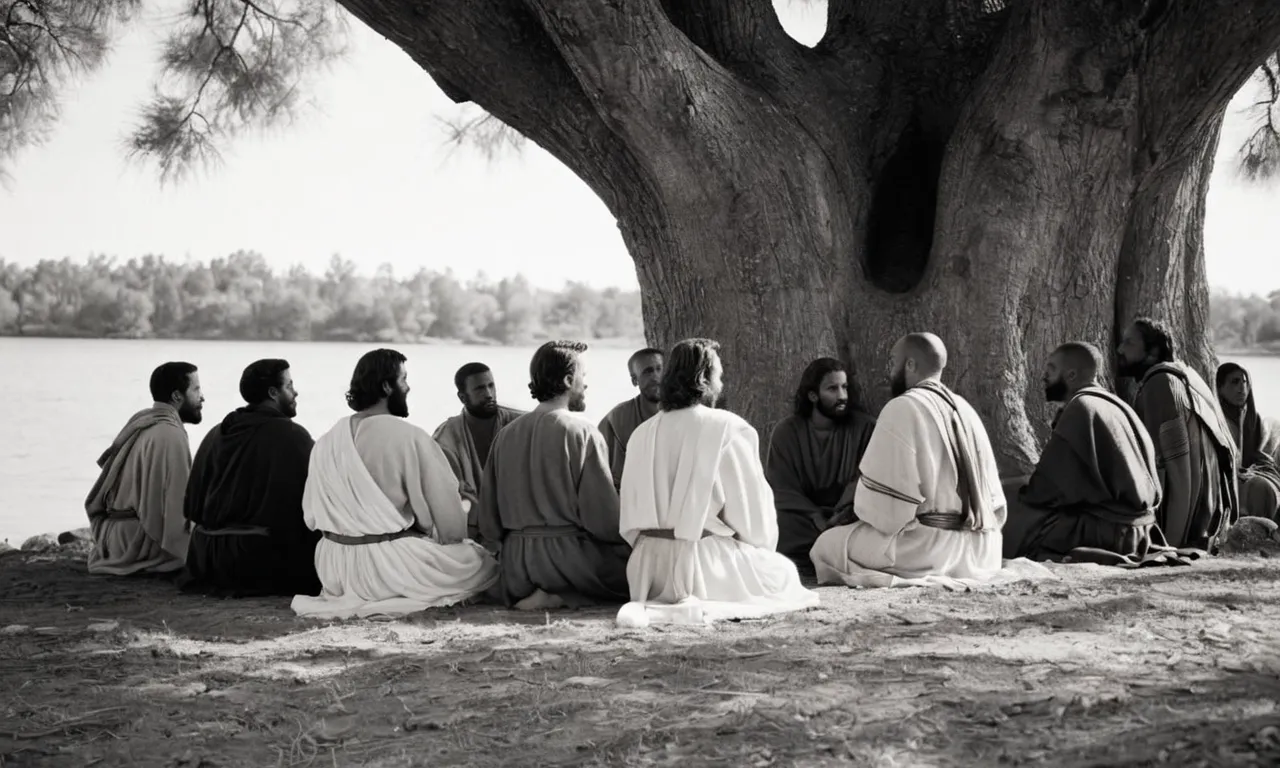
(485, 410)
(1055, 392)
(1132, 370)
(578, 402)
(652, 394)
(839, 414)
(898, 384)
(398, 404)
(188, 415)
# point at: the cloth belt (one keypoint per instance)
(122, 514)
(547, 531)
(668, 533)
(372, 538)
(232, 530)
(946, 521)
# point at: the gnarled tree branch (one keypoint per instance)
(496, 54)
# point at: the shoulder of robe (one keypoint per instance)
(450, 423)
(290, 428)
(576, 423)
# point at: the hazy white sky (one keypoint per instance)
(367, 174)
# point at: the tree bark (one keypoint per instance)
(1009, 175)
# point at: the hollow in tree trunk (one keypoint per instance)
(1009, 176)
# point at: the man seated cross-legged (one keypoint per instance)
(547, 501)
(929, 502)
(1094, 493)
(244, 496)
(135, 507)
(698, 509)
(814, 456)
(382, 494)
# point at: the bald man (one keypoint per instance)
(928, 502)
(1095, 491)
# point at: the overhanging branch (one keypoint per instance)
(496, 54)
(1197, 56)
(646, 79)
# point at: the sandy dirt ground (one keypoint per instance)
(1173, 666)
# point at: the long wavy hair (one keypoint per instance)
(1156, 338)
(686, 377)
(811, 381)
(373, 369)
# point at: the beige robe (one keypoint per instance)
(695, 475)
(548, 505)
(388, 476)
(455, 439)
(135, 507)
(617, 427)
(910, 474)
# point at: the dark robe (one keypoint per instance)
(1096, 486)
(548, 505)
(1258, 442)
(616, 427)
(1195, 455)
(244, 500)
(813, 474)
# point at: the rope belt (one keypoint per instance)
(232, 530)
(946, 521)
(372, 538)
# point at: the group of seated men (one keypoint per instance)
(666, 506)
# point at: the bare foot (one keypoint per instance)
(539, 601)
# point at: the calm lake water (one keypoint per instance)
(63, 400)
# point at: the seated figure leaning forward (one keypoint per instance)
(381, 492)
(1257, 439)
(244, 496)
(547, 501)
(814, 456)
(698, 509)
(929, 503)
(467, 437)
(1095, 491)
(135, 506)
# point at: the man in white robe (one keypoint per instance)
(697, 509)
(929, 503)
(383, 496)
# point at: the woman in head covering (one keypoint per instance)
(1257, 440)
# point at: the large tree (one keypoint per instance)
(1007, 173)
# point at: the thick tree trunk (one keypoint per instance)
(1009, 178)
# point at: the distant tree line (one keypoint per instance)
(241, 297)
(1244, 323)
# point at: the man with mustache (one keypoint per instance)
(135, 506)
(1195, 453)
(547, 501)
(697, 508)
(929, 503)
(1094, 492)
(467, 437)
(814, 455)
(381, 492)
(244, 496)
(645, 367)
